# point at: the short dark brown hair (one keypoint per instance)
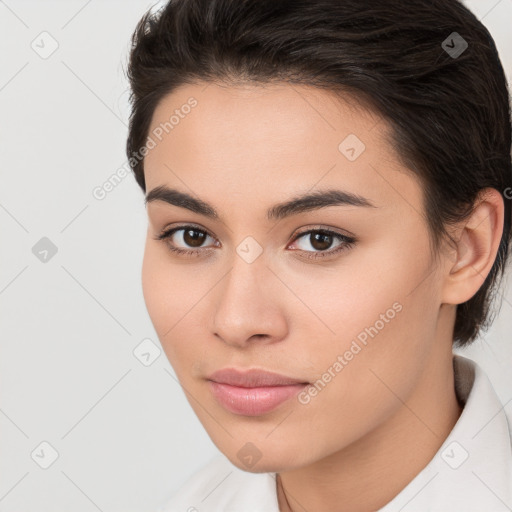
(450, 114)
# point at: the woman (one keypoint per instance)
(328, 192)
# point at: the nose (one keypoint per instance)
(249, 305)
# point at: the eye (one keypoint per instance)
(192, 236)
(321, 240)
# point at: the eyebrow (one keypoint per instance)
(299, 204)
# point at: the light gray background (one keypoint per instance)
(125, 435)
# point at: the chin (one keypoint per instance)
(274, 463)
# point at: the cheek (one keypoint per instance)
(377, 312)
(369, 355)
(365, 290)
(163, 293)
(172, 296)
(153, 287)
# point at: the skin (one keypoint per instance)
(383, 417)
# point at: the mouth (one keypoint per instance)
(254, 392)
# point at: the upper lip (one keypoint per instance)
(252, 378)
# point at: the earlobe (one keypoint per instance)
(477, 246)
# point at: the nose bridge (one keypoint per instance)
(245, 305)
(241, 292)
(248, 270)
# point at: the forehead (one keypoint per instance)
(283, 113)
(248, 139)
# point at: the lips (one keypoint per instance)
(252, 378)
(253, 392)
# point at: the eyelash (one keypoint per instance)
(348, 242)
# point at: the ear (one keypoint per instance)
(478, 239)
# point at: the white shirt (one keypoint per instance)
(471, 472)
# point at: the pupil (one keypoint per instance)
(195, 241)
(323, 239)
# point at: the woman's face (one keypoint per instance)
(354, 311)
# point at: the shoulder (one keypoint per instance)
(221, 486)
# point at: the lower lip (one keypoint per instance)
(253, 401)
